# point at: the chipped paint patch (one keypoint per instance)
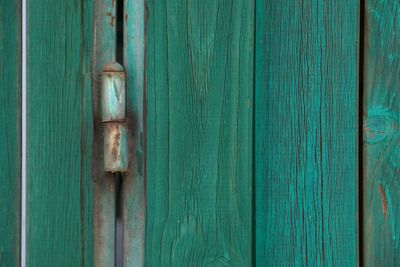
(384, 201)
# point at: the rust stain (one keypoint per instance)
(113, 3)
(383, 200)
(126, 17)
(113, 67)
(112, 18)
(116, 143)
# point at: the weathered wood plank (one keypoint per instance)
(306, 133)
(59, 193)
(10, 136)
(199, 138)
(134, 199)
(381, 133)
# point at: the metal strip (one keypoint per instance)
(23, 137)
(104, 182)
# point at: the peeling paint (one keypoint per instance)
(384, 201)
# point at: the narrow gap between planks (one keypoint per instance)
(360, 132)
(119, 227)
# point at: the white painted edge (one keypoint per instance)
(23, 141)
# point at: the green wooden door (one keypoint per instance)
(260, 133)
(306, 114)
(59, 183)
(10, 129)
(381, 128)
(199, 136)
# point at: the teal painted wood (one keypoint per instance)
(381, 134)
(59, 193)
(199, 80)
(105, 186)
(10, 145)
(306, 112)
(134, 199)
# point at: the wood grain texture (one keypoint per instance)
(10, 155)
(134, 198)
(59, 133)
(306, 93)
(199, 68)
(381, 133)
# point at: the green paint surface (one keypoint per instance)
(306, 105)
(381, 134)
(10, 159)
(59, 182)
(199, 78)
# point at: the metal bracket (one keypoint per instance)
(113, 118)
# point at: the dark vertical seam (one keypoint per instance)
(82, 133)
(360, 132)
(119, 53)
(119, 29)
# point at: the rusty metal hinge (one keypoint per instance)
(113, 118)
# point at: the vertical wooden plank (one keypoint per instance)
(105, 183)
(134, 199)
(10, 155)
(199, 137)
(306, 133)
(59, 121)
(381, 133)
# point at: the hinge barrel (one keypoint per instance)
(113, 118)
(113, 93)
